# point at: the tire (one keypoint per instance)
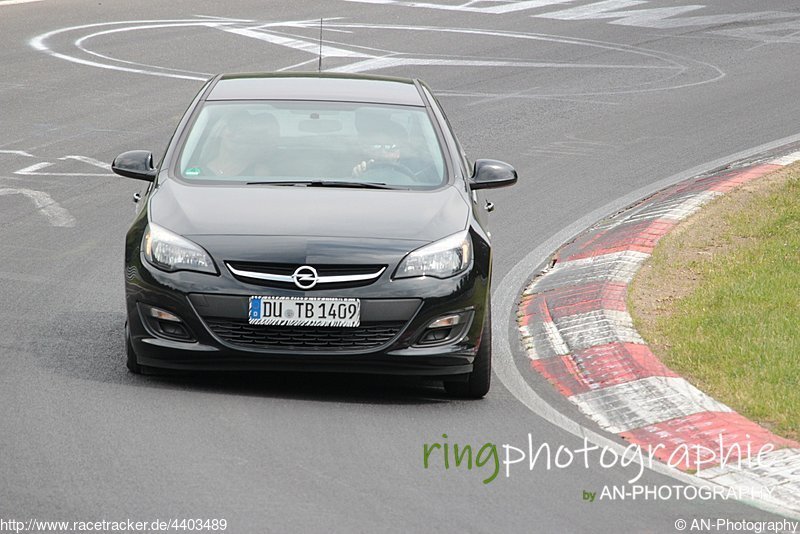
(477, 383)
(132, 364)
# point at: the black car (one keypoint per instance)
(312, 222)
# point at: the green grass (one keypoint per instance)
(736, 335)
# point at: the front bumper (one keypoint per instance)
(201, 300)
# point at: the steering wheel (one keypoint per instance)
(391, 165)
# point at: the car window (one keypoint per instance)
(266, 141)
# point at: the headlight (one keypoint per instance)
(170, 252)
(442, 259)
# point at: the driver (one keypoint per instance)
(381, 146)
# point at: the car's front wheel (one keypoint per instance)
(133, 365)
(478, 381)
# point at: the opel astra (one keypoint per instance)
(313, 222)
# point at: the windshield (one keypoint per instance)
(267, 142)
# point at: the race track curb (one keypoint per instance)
(578, 335)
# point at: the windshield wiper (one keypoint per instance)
(327, 183)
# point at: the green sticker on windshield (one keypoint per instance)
(192, 171)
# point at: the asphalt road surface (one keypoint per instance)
(589, 102)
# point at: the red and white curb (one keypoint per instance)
(579, 335)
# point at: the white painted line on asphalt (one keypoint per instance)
(225, 19)
(33, 170)
(667, 62)
(89, 160)
(39, 43)
(488, 97)
(376, 62)
(676, 61)
(390, 62)
(504, 302)
(787, 160)
(55, 214)
(12, 2)
(296, 65)
(500, 7)
(17, 152)
(79, 44)
(616, 12)
(304, 45)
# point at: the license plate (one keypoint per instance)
(292, 311)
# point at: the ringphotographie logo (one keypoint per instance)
(492, 461)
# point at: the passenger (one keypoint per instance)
(246, 142)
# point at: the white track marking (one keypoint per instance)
(88, 160)
(660, 17)
(787, 160)
(39, 43)
(13, 2)
(224, 19)
(304, 45)
(778, 32)
(644, 402)
(575, 333)
(557, 342)
(34, 170)
(390, 62)
(778, 463)
(17, 152)
(501, 7)
(302, 63)
(599, 327)
(503, 96)
(677, 209)
(613, 267)
(55, 214)
(507, 290)
(610, 9)
(778, 470)
(660, 56)
(371, 60)
(615, 12)
(325, 42)
(79, 43)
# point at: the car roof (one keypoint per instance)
(316, 86)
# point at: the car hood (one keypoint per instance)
(309, 211)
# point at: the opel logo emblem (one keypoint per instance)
(305, 277)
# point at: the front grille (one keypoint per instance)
(287, 269)
(244, 334)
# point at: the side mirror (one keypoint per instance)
(490, 173)
(137, 164)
